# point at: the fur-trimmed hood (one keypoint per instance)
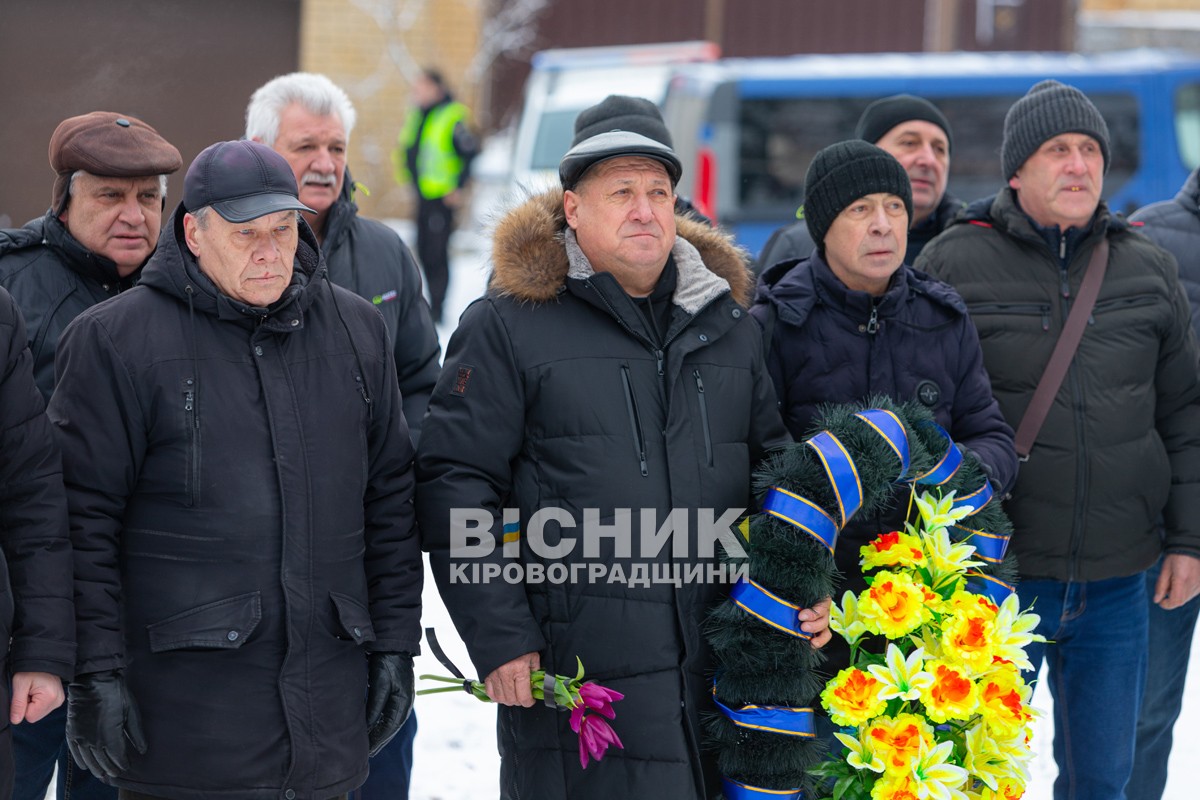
(534, 252)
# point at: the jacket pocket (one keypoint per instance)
(635, 421)
(191, 420)
(708, 448)
(354, 618)
(220, 625)
(1041, 310)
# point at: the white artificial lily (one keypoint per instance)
(900, 677)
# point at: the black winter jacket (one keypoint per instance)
(369, 259)
(1122, 440)
(37, 620)
(555, 396)
(1174, 225)
(54, 279)
(240, 496)
(793, 242)
(916, 342)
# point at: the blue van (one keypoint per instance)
(747, 129)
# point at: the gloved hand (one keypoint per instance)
(102, 720)
(389, 696)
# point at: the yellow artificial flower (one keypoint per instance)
(852, 697)
(900, 740)
(902, 678)
(936, 778)
(1004, 702)
(845, 620)
(948, 561)
(1008, 790)
(988, 760)
(894, 605)
(951, 693)
(893, 549)
(895, 787)
(1012, 631)
(938, 512)
(861, 755)
(967, 639)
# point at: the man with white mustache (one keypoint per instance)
(1120, 443)
(914, 132)
(307, 119)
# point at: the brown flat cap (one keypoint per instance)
(108, 144)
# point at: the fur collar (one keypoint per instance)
(534, 252)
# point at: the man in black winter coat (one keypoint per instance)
(610, 375)
(308, 119)
(852, 321)
(916, 133)
(37, 620)
(1173, 225)
(102, 226)
(239, 478)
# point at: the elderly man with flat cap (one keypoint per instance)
(610, 372)
(103, 224)
(248, 576)
(916, 133)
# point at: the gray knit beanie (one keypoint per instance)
(888, 112)
(844, 172)
(1048, 109)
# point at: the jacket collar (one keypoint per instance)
(77, 258)
(1189, 194)
(340, 216)
(534, 252)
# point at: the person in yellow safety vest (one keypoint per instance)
(434, 153)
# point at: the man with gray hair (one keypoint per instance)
(308, 119)
(106, 209)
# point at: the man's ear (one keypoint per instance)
(190, 226)
(571, 208)
(1015, 181)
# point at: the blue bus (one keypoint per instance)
(747, 129)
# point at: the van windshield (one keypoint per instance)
(1187, 124)
(779, 137)
(554, 134)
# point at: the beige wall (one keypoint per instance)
(1140, 5)
(372, 48)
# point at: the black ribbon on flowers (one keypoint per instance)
(440, 655)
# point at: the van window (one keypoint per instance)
(779, 137)
(1187, 124)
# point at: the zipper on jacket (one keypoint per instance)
(873, 322)
(1013, 309)
(193, 424)
(708, 453)
(635, 421)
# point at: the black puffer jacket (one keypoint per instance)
(793, 242)
(1174, 225)
(243, 523)
(369, 259)
(1122, 440)
(554, 396)
(916, 342)
(54, 279)
(37, 620)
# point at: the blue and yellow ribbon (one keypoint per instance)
(976, 499)
(889, 426)
(803, 513)
(843, 475)
(992, 588)
(771, 719)
(988, 546)
(944, 470)
(773, 610)
(735, 790)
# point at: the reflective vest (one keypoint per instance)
(438, 163)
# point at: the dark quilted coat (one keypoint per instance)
(243, 523)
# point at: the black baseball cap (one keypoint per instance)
(241, 180)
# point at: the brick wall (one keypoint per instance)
(372, 49)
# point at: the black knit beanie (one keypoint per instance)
(619, 112)
(888, 112)
(844, 172)
(1048, 109)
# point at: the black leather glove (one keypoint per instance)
(389, 696)
(102, 721)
